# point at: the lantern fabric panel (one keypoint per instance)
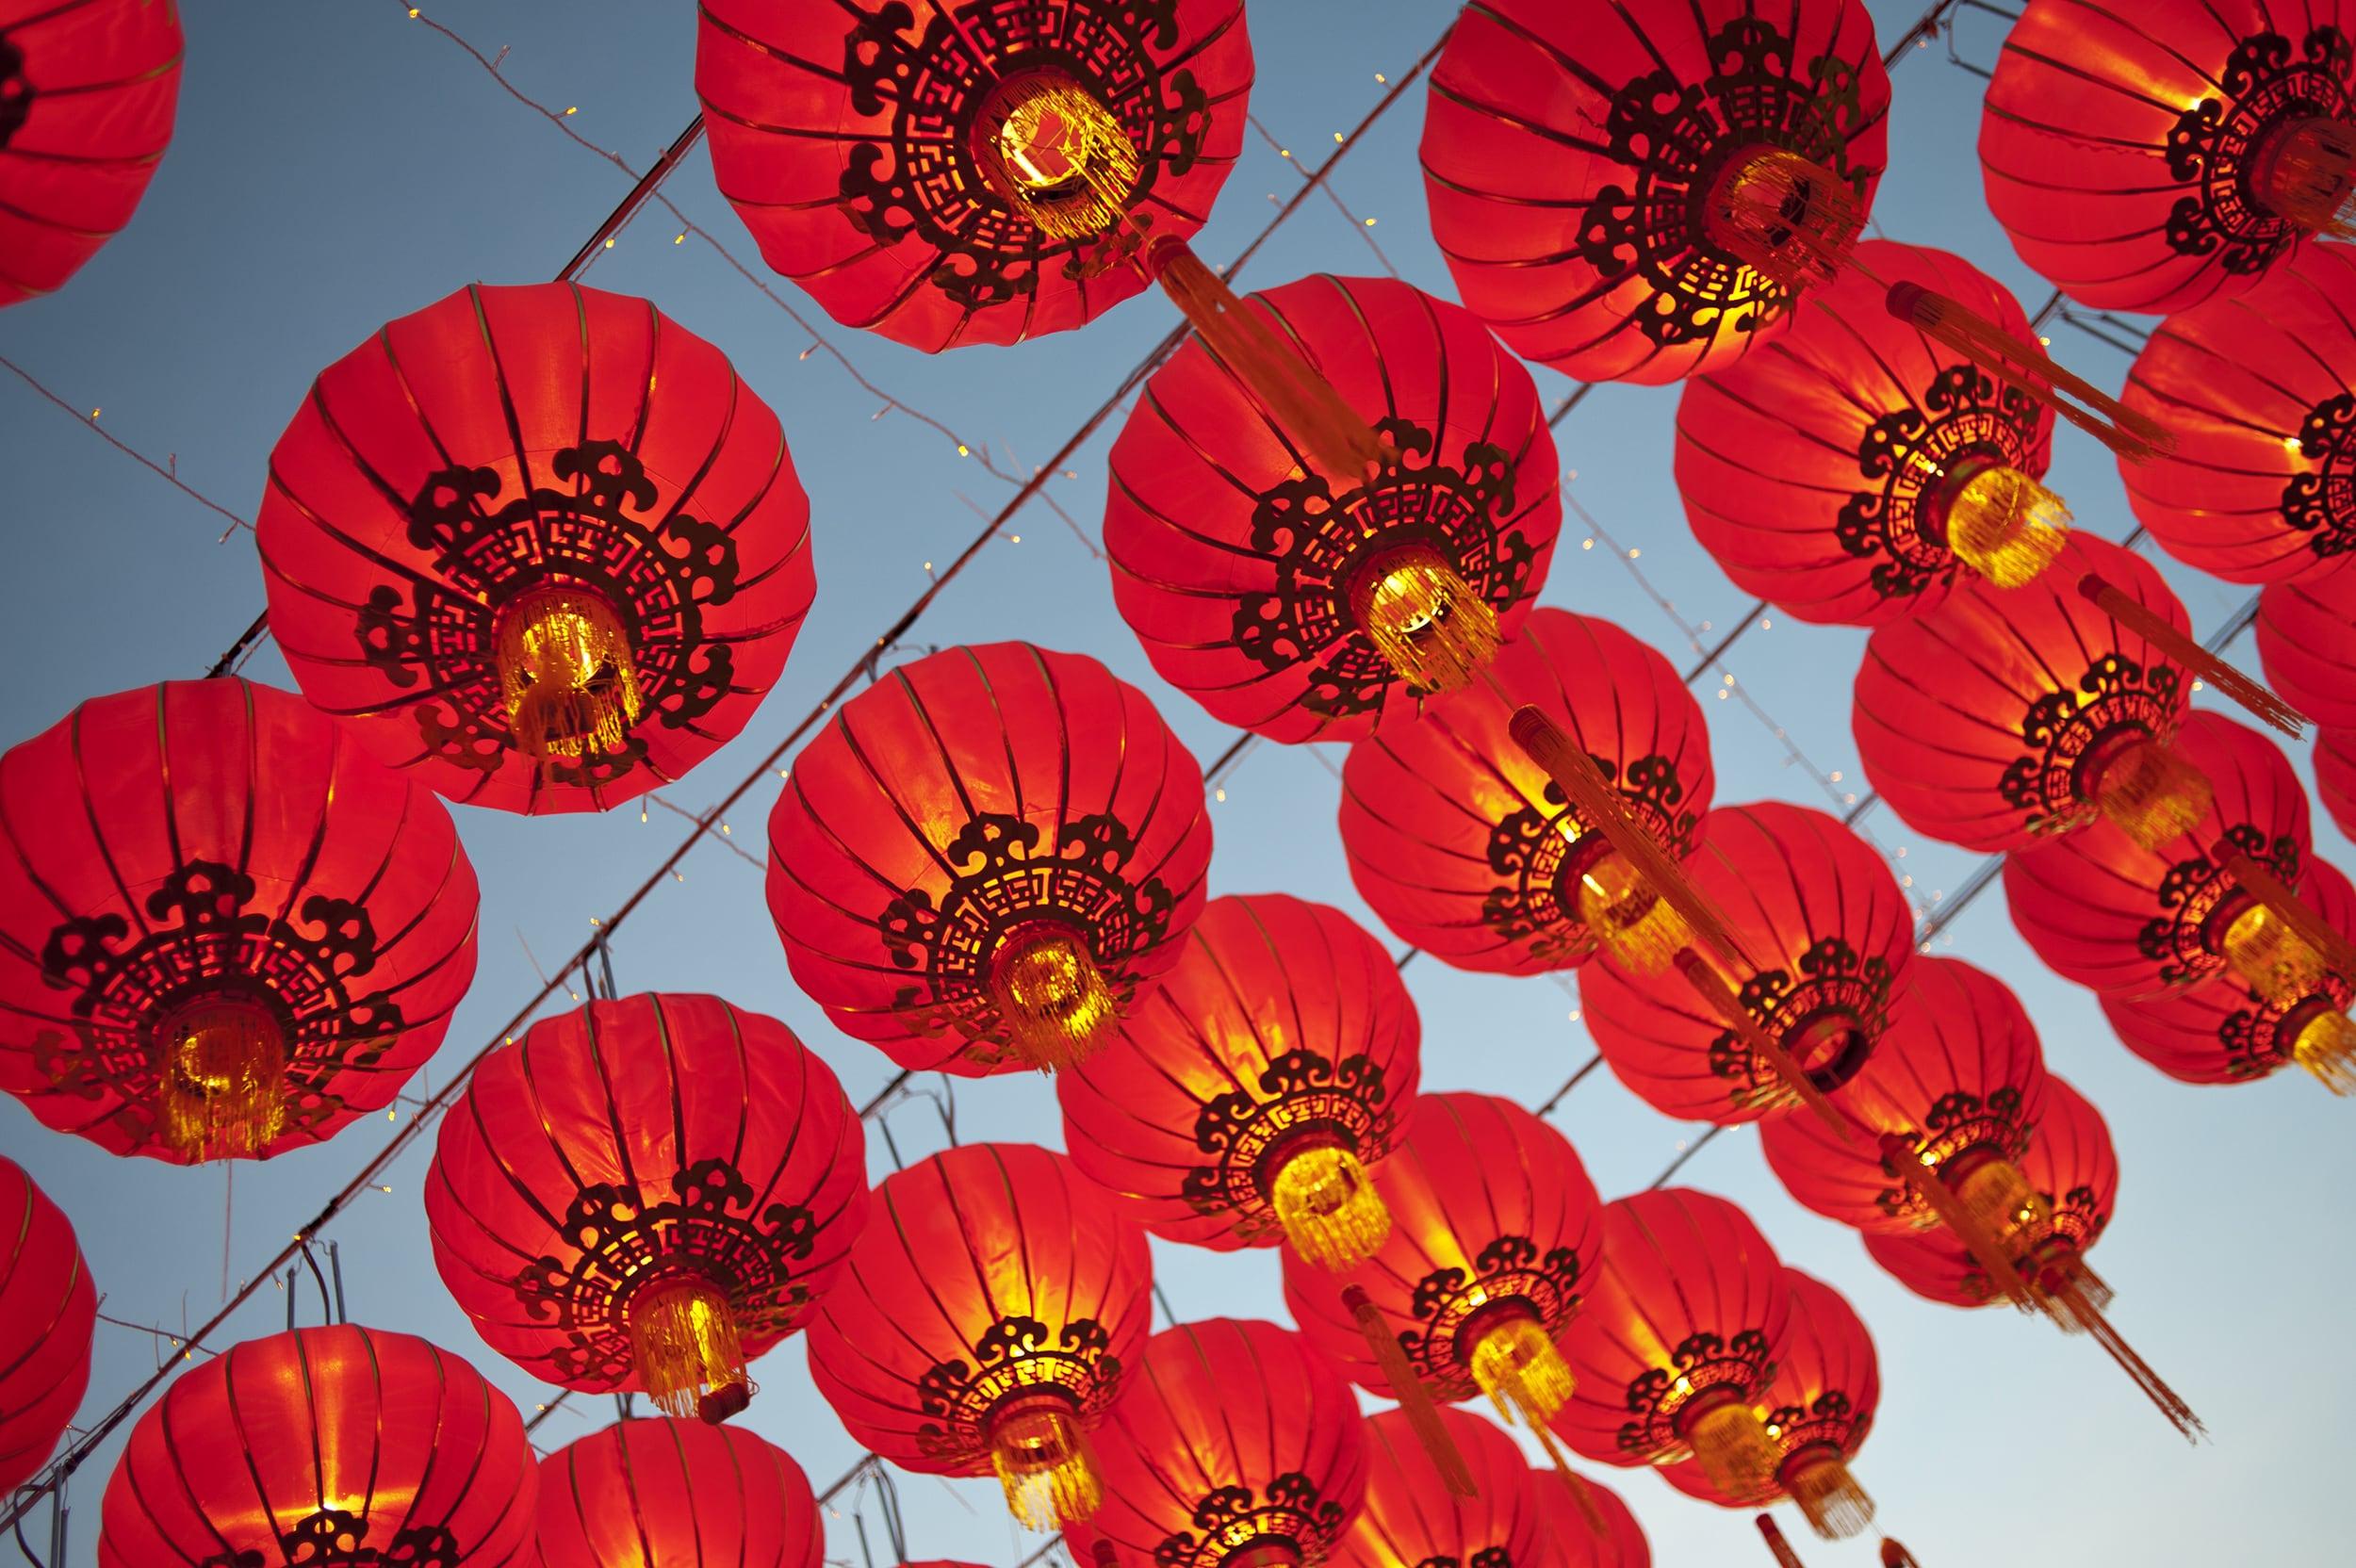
(2254, 386)
(846, 136)
(1570, 150)
(2335, 778)
(967, 806)
(1829, 939)
(1248, 574)
(1622, 1545)
(299, 1446)
(511, 466)
(1234, 1440)
(663, 1493)
(1411, 1518)
(2307, 646)
(1984, 722)
(2121, 146)
(1463, 845)
(229, 931)
(48, 1312)
(88, 89)
(1820, 471)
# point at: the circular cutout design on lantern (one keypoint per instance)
(48, 1311)
(1410, 1518)
(661, 1493)
(1604, 186)
(229, 932)
(646, 1194)
(2306, 635)
(539, 543)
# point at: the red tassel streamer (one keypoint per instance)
(2158, 632)
(1414, 1401)
(2072, 1298)
(1712, 989)
(1582, 1493)
(1773, 1535)
(1895, 1556)
(2285, 905)
(1900, 1155)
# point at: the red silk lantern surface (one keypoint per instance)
(1299, 604)
(88, 91)
(2307, 642)
(1246, 1097)
(48, 1311)
(1837, 471)
(1580, 156)
(1235, 1446)
(332, 1444)
(2261, 486)
(1993, 719)
(1622, 1545)
(857, 143)
(666, 1494)
(228, 930)
(1410, 1519)
(1828, 939)
(1466, 847)
(988, 858)
(541, 543)
(2132, 153)
(993, 1310)
(646, 1194)
(2335, 778)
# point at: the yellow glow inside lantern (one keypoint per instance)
(1328, 1206)
(1628, 916)
(570, 677)
(1425, 619)
(1516, 1365)
(684, 1344)
(222, 1090)
(2152, 794)
(1057, 155)
(1041, 1452)
(1055, 1002)
(2005, 526)
(2326, 1046)
(2272, 958)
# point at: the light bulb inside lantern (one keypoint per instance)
(1516, 1365)
(1424, 618)
(567, 671)
(222, 1087)
(2000, 522)
(1628, 917)
(1328, 1206)
(1788, 219)
(1055, 1002)
(1041, 1452)
(2273, 960)
(2152, 794)
(1053, 150)
(686, 1349)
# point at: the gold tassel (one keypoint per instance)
(2271, 958)
(1629, 920)
(686, 1348)
(221, 1093)
(1582, 1496)
(1966, 1223)
(1788, 220)
(2326, 1046)
(1338, 445)
(1041, 1452)
(1712, 989)
(2152, 795)
(1517, 1367)
(2307, 176)
(1731, 1445)
(2080, 1307)
(2261, 883)
(570, 675)
(1834, 1506)
(2157, 630)
(1771, 1532)
(1424, 619)
(1057, 155)
(1329, 1207)
(1414, 1401)
(1055, 1000)
(2005, 526)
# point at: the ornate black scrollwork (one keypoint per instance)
(2185, 938)
(1301, 1094)
(626, 1241)
(1013, 1357)
(1965, 414)
(1509, 1274)
(202, 941)
(1957, 1120)
(1836, 984)
(1829, 1421)
(1292, 1512)
(2115, 695)
(1699, 1365)
(1535, 903)
(332, 1537)
(2321, 502)
(16, 91)
(1678, 135)
(2215, 143)
(2260, 1036)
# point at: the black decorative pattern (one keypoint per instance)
(1700, 1364)
(2259, 1037)
(1679, 136)
(1321, 545)
(1302, 1095)
(1963, 419)
(332, 1537)
(627, 1240)
(2116, 697)
(2321, 502)
(2199, 898)
(16, 91)
(1829, 1423)
(1012, 1358)
(924, 179)
(1230, 1520)
(2215, 144)
(201, 942)
(1509, 1276)
(1536, 902)
(657, 567)
(1836, 985)
(1958, 1121)
(1007, 877)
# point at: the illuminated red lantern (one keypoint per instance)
(1577, 1543)
(1307, 608)
(228, 931)
(338, 1444)
(2262, 484)
(1851, 469)
(2335, 778)
(48, 1311)
(988, 858)
(1236, 1446)
(539, 543)
(1684, 1325)
(993, 1310)
(1247, 1097)
(2146, 158)
(2307, 640)
(646, 1194)
(1630, 198)
(1468, 850)
(1826, 938)
(676, 1495)
(1410, 1519)
(88, 91)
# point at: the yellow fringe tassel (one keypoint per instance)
(1964, 1220)
(223, 1091)
(2152, 795)
(2273, 960)
(1722, 1000)
(1517, 1367)
(570, 680)
(2261, 883)
(1635, 923)
(1414, 1401)
(1057, 153)
(1835, 1507)
(1788, 220)
(1736, 1455)
(2308, 177)
(1425, 619)
(1329, 1207)
(2162, 633)
(1055, 1000)
(686, 1350)
(2005, 526)
(1041, 1452)
(2327, 1048)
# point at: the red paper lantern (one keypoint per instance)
(2007, 714)
(88, 91)
(2307, 641)
(1236, 1446)
(2335, 778)
(1851, 469)
(1827, 937)
(1684, 1325)
(992, 1313)
(1466, 847)
(1307, 606)
(2261, 486)
(2150, 157)
(988, 858)
(1247, 1095)
(228, 931)
(1410, 1519)
(676, 1495)
(540, 543)
(1577, 1544)
(48, 1311)
(2224, 1030)
(1629, 196)
(982, 172)
(319, 1446)
(646, 1194)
